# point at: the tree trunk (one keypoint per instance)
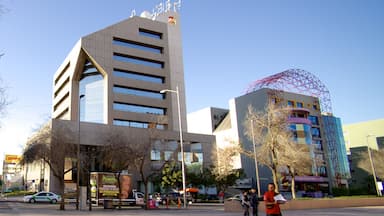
(146, 194)
(293, 187)
(292, 173)
(117, 176)
(62, 202)
(274, 175)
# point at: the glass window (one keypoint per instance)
(137, 76)
(138, 60)
(290, 103)
(91, 94)
(138, 108)
(316, 132)
(299, 104)
(149, 33)
(315, 107)
(155, 155)
(137, 45)
(168, 155)
(314, 120)
(137, 92)
(196, 147)
(136, 124)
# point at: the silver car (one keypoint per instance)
(42, 197)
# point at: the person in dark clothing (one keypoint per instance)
(254, 200)
(245, 203)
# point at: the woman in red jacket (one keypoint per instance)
(272, 207)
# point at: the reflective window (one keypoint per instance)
(314, 120)
(290, 103)
(137, 45)
(138, 108)
(314, 107)
(155, 155)
(168, 155)
(137, 124)
(316, 132)
(149, 33)
(137, 76)
(299, 104)
(137, 92)
(138, 60)
(91, 94)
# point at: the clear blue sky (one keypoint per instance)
(227, 44)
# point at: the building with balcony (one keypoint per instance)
(306, 123)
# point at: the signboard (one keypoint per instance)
(15, 159)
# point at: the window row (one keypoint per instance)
(291, 103)
(138, 60)
(138, 76)
(136, 124)
(137, 45)
(150, 34)
(138, 108)
(137, 92)
(189, 157)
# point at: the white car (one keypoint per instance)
(42, 197)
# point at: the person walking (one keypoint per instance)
(254, 200)
(245, 203)
(272, 207)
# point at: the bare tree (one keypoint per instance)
(274, 144)
(296, 160)
(224, 172)
(116, 156)
(133, 152)
(51, 146)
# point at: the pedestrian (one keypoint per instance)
(272, 207)
(254, 200)
(221, 196)
(245, 203)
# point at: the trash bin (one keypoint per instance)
(108, 204)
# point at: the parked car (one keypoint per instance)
(236, 197)
(42, 197)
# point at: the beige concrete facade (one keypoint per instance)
(154, 51)
(98, 48)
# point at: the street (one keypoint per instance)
(17, 208)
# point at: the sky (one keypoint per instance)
(226, 46)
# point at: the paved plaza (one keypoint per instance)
(26, 209)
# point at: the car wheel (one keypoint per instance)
(32, 201)
(54, 201)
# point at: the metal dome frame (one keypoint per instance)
(296, 81)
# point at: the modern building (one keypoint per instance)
(110, 83)
(358, 138)
(368, 133)
(339, 171)
(306, 123)
(12, 177)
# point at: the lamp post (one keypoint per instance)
(378, 192)
(78, 158)
(256, 163)
(181, 139)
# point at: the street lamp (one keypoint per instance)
(378, 192)
(256, 163)
(181, 139)
(78, 158)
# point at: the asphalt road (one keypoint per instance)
(26, 209)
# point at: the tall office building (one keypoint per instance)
(111, 81)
